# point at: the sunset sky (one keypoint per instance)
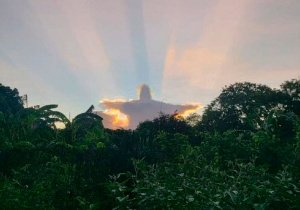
(77, 52)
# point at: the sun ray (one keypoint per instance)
(201, 65)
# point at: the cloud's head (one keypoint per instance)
(144, 93)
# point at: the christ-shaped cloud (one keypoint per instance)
(129, 113)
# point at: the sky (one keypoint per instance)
(77, 52)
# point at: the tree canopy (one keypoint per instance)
(10, 101)
(243, 152)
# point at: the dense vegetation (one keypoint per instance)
(242, 153)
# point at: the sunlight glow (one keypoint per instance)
(188, 112)
(119, 119)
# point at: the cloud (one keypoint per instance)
(128, 114)
(114, 118)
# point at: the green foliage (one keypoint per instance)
(168, 123)
(291, 91)
(192, 183)
(10, 101)
(242, 153)
(242, 106)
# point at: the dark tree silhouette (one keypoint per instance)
(243, 106)
(10, 101)
(291, 91)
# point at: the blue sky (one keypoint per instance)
(75, 53)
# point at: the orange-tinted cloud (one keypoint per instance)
(190, 111)
(114, 118)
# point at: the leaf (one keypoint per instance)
(48, 107)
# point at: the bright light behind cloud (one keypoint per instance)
(119, 119)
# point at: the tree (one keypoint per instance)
(10, 101)
(291, 91)
(167, 123)
(242, 106)
(85, 122)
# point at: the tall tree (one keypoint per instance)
(291, 91)
(240, 106)
(10, 101)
